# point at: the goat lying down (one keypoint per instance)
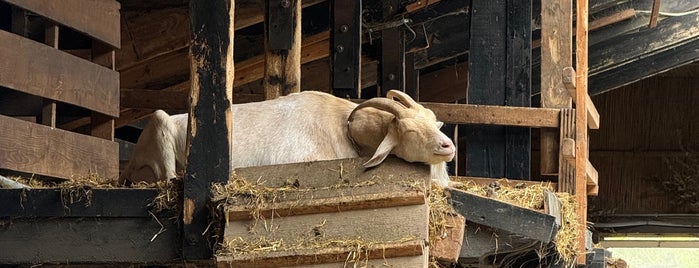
(301, 127)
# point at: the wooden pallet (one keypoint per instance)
(341, 214)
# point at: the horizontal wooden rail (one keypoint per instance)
(496, 115)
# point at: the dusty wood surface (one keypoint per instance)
(34, 148)
(337, 199)
(334, 172)
(495, 115)
(448, 248)
(569, 82)
(403, 262)
(283, 66)
(556, 54)
(388, 232)
(566, 169)
(97, 18)
(40, 70)
(581, 146)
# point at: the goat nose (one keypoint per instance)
(447, 144)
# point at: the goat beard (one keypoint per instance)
(439, 174)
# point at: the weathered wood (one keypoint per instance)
(506, 183)
(328, 200)
(406, 262)
(40, 70)
(495, 115)
(347, 48)
(568, 150)
(96, 18)
(86, 202)
(282, 66)
(210, 122)
(552, 206)
(569, 82)
(154, 99)
(480, 240)
(48, 111)
(566, 170)
(43, 150)
(654, 14)
(392, 64)
(446, 85)
(556, 54)
(448, 248)
(101, 125)
(503, 216)
(592, 178)
(581, 146)
(89, 240)
(388, 232)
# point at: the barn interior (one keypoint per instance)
(643, 59)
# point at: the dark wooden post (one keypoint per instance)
(500, 74)
(392, 64)
(282, 47)
(209, 119)
(346, 48)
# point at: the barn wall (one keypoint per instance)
(649, 129)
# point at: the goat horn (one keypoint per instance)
(403, 98)
(384, 104)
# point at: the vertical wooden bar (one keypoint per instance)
(210, 122)
(556, 54)
(282, 66)
(48, 111)
(412, 77)
(346, 48)
(392, 64)
(101, 125)
(518, 85)
(581, 122)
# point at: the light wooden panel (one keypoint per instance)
(34, 148)
(96, 18)
(40, 70)
(495, 115)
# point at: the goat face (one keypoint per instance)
(413, 134)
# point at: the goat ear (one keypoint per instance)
(385, 148)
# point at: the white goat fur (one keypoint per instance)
(300, 127)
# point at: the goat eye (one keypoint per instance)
(440, 124)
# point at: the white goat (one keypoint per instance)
(301, 127)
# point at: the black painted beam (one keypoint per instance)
(503, 216)
(346, 47)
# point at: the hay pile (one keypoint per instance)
(532, 197)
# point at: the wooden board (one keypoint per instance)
(495, 115)
(403, 262)
(96, 18)
(282, 66)
(333, 199)
(395, 231)
(40, 70)
(33, 148)
(89, 240)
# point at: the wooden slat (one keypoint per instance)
(282, 66)
(96, 18)
(403, 262)
(569, 82)
(568, 150)
(40, 70)
(48, 111)
(655, 12)
(566, 170)
(383, 227)
(507, 183)
(33, 148)
(581, 145)
(592, 179)
(495, 115)
(154, 99)
(331, 200)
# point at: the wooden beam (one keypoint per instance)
(503, 216)
(154, 99)
(346, 44)
(655, 12)
(282, 73)
(495, 115)
(38, 149)
(568, 150)
(581, 145)
(48, 111)
(40, 70)
(210, 122)
(556, 53)
(446, 85)
(99, 19)
(569, 82)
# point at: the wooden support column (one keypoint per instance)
(392, 64)
(282, 48)
(346, 48)
(556, 54)
(412, 77)
(581, 149)
(210, 122)
(500, 58)
(48, 111)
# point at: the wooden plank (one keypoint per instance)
(33, 148)
(347, 43)
(507, 183)
(556, 54)
(40, 70)
(96, 18)
(446, 85)
(592, 178)
(210, 122)
(654, 14)
(568, 150)
(566, 170)
(482, 241)
(103, 203)
(581, 146)
(447, 248)
(389, 232)
(569, 82)
(406, 262)
(154, 99)
(552, 206)
(283, 66)
(327, 200)
(503, 216)
(495, 115)
(89, 240)
(392, 63)
(48, 111)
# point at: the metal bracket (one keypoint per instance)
(280, 23)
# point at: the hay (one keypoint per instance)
(440, 209)
(531, 197)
